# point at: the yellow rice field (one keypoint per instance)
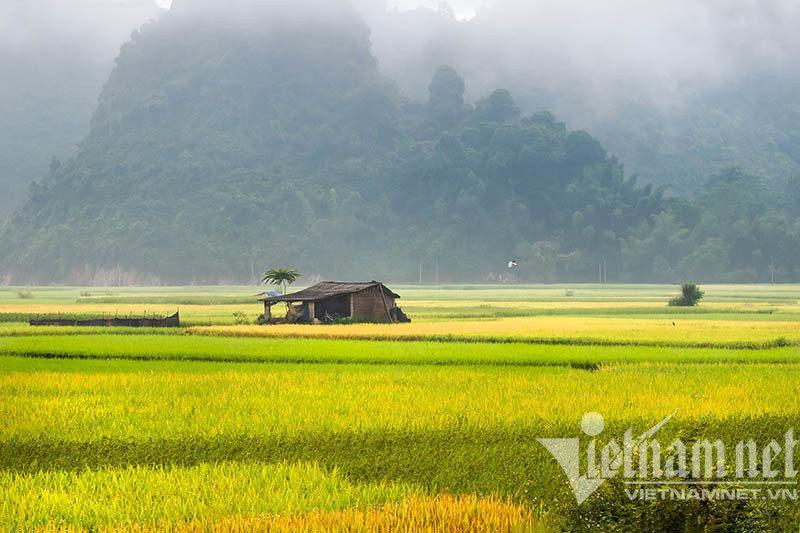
(676, 331)
(278, 399)
(132, 430)
(433, 514)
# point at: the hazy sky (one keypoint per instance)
(463, 8)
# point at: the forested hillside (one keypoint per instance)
(227, 142)
(677, 90)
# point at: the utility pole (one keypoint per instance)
(420, 272)
(600, 273)
(772, 271)
(605, 271)
(437, 272)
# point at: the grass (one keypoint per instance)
(199, 494)
(548, 330)
(21, 329)
(214, 427)
(161, 400)
(569, 330)
(427, 430)
(190, 314)
(309, 351)
(435, 311)
(442, 513)
(209, 306)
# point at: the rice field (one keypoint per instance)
(674, 331)
(428, 426)
(383, 352)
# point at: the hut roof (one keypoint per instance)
(328, 289)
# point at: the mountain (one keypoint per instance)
(265, 135)
(679, 91)
(52, 73)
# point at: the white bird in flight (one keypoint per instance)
(512, 264)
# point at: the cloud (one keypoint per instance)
(610, 50)
(462, 9)
(95, 24)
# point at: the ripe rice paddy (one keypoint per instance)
(587, 330)
(427, 426)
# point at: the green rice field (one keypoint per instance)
(225, 425)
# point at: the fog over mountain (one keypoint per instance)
(655, 47)
(55, 56)
(678, 90)
(356, 139)
(265, 133)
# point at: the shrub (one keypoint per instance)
(690, 296)
(25, 295)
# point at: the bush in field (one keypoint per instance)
(690, 296)
(24, 295)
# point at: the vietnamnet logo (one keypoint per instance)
(699, 471)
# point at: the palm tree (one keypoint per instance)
(281, 276)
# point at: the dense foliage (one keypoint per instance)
(690, 296)
(223, 144)
(676, 108)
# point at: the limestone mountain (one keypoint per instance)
(263, 134)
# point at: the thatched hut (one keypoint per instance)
(333, 300)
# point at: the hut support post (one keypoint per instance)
(311, 312)
(267, 312)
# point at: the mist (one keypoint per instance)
(55, 57)
(610, 49)
(223, 111)
(595, 64)
(654, 81)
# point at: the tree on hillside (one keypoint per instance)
(690, 296)
(497, 107)
(281, 276)
(446, 101)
